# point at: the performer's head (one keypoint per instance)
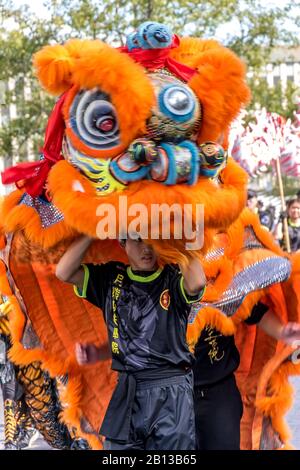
(293, 209)
(252, 200)
(141, 256)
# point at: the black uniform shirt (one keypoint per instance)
(216, 355)
(146, 317)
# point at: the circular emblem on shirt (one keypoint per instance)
(165, 299)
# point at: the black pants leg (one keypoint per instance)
(218, 412)
(163, 417)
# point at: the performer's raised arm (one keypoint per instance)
(69, 267)
(288, 333)
(194, 279)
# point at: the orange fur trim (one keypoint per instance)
(244, 311)
(20, 217)
(236, 235)
(22, 356)
(258, 364)
(68, 320)
(295, 260)
(54, 67)
(55, 64)
(72, 414)
(7, 204)
(4, 284)
(55, 366)
(17, 323)
(208, 316)
(221, 87)
(291, 290)
(2, 241)
(77, 48)
(222, 204)
(190, 48)
(222, 270)
(280, 394)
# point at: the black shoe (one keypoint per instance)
(80, 444)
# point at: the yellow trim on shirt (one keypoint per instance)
(185, 295)
(136, 277)
(82, 293)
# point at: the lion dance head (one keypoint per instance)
(148, 121)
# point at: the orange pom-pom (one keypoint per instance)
(54, 66)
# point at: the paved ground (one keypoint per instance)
(293, 420)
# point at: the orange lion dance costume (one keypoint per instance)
(145, 121)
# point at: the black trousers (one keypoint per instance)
(218, 412)
(162, 417)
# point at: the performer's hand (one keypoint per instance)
(194, 278)
(290, 334)
(86, 354)
(283, 215)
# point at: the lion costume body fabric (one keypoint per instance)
(143, 122)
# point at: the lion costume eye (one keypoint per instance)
(176, 114)
(177, 103)
(94, 120)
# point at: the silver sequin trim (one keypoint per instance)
(250, 242)
(256, 276)
(214, 254)
(48, 213)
